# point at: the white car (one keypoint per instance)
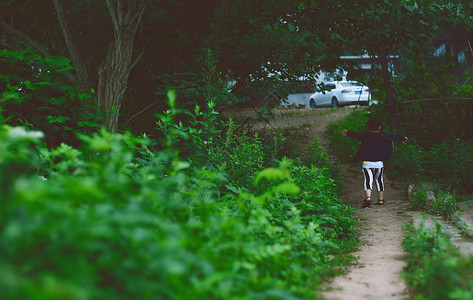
(341, 93)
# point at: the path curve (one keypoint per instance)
(376, 273)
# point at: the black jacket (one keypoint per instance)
(375, 146)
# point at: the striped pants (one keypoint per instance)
(375, 175)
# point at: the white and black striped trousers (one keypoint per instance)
(376, 175)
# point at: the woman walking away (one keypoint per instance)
(376, 147)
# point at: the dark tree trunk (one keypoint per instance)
(77, 62)
(113, 74)
(388, 86)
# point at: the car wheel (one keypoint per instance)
(312, 103)
(334, 102)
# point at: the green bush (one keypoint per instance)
(448, 163)
(408, 162)
(435, 268)
(34, 93)
(115, 220)
(418, 199)
(343, 147)
(445, 205)
(451, 162)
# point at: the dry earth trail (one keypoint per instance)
(376, 272)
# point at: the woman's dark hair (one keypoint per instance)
(374, 123)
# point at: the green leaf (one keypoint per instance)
(87, 123)
(10, 95)
(172, 96)
(58, 119)
(287, 188)
(59, 61)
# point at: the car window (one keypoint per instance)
(349, 84)
(330, 86)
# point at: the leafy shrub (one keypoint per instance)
(202, 143)
(408, 162)
(343, 147)
(448, 163)
(436, 269)
(451, 162)
(418, 198)
(34, 93)
(432, 122)
(240, 155)
(444, 205)
(115, 220)
(321, 204)
(199, 89)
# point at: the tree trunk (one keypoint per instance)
(113, 73)
(388, 86)
(77, 62)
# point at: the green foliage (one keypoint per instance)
(201, 142)
(445, 203)
(436, 269)
(433, 122)
(418, 198)
(449, 162)
(115, 220)
(240, 155)
(34, 93)
(199, 88)
(345, 148)
(321, 204)
(409, 162)
(318, 158)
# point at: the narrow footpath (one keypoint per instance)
(376, 273)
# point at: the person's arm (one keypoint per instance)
(397, 137)
(353, 134)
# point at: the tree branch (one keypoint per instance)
(42, 50)
(435, 99)
(25, 38)
(71, 46)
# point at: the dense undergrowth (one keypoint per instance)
(447, 163)
(439, 152)
(200, 212)
(435, 267)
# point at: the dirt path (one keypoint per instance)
(376, 273)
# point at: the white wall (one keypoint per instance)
(297, 99)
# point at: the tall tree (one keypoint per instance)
(383, 28)
(113, 71)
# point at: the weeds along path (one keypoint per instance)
(376, 272)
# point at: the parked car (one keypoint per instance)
(341, 93)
